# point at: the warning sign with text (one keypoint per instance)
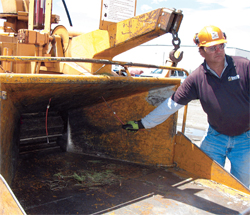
(117, 10)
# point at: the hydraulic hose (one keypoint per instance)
(66, 9)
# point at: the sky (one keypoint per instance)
(231, 16)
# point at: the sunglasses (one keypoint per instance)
(212, 49)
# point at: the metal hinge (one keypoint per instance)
(3, 95)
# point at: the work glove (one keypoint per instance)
(133, 126)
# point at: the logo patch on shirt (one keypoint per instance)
(233, 78)
(214, 35)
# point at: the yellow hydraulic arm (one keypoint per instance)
(122, 36)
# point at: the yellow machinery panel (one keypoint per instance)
(68, 76)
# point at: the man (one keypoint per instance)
(222, 85)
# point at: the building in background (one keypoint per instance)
(238, 52)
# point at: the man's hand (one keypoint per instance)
(133, 126)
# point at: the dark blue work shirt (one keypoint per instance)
(226, 100)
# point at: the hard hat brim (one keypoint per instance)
(213, 43)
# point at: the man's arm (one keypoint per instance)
(154, 118)
(161, 113)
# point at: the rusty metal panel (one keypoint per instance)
(81, 97)
(95, 130)
(9, 133)
(67, 92)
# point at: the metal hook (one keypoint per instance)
(173, 58)
(176, 47)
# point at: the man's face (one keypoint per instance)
(213, 54)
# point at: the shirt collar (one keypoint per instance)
(214, 73)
